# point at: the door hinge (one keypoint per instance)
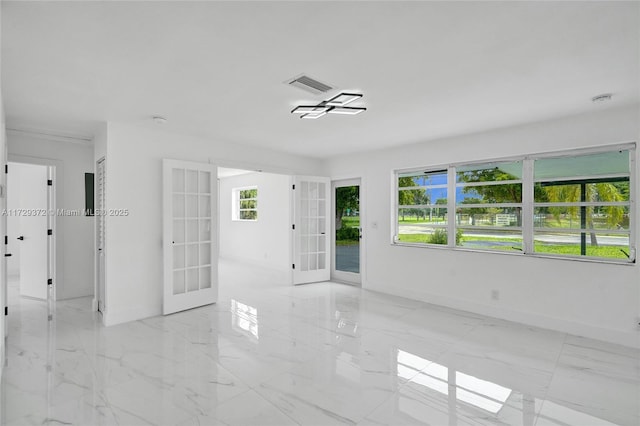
(6, 239)
(49, 182)
(293, 266)
(293, 187)
(49, 231)
(6, 168)
(293, 226)
(50, 281)
(6, 310)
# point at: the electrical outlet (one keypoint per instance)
(495, 295)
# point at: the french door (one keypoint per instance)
(311, 242)
(101, 232)
(190, 235)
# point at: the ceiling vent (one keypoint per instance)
(309, 84)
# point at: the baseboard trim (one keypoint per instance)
(629, 339)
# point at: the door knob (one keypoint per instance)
(21, 237)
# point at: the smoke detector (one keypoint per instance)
(159, 120)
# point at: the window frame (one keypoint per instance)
(528, 204)
(235, 203)
(445, 226)
(515, 205)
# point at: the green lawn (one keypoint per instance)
(608, 252)
(347, 242)
(351, 221)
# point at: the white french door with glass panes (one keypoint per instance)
(190, 235)
(311, 242)
(101, 232)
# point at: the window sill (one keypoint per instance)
(506, 253)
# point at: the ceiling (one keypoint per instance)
(217, 69)
(224, 172)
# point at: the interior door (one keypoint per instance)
(190, 235)
(4, 279)
(311, 245)
(33, 220)
(347, 237)
(101, 231)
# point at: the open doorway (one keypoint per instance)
(30, 231)
(346, 265)
(254, 230)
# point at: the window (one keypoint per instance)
(575, 204)
(245, 203)
(582, 204)
(422, 207)
(489, 206)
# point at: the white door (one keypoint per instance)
(33, 219)
(311, 242)
(4, 282)
(101, 231)
(190, 235)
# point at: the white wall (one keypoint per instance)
(265, 242)
(134, 177)
(591, 299)
(75, 235)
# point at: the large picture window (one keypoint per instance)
(582, 205)
(575, 204)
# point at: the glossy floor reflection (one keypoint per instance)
(319, 354)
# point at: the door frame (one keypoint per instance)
(54, 198)
(341, 276)
(96, 268)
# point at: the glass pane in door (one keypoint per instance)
(312, 226)
(191, 230)
(347, 217)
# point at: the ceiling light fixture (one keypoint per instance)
(346, 110)
(343, 99)
(313, 116)
(159, 120)
(309, 109)
(335, 105)
(602, 98)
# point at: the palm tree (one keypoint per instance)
(571, 193)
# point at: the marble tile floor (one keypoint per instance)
(319, 354)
